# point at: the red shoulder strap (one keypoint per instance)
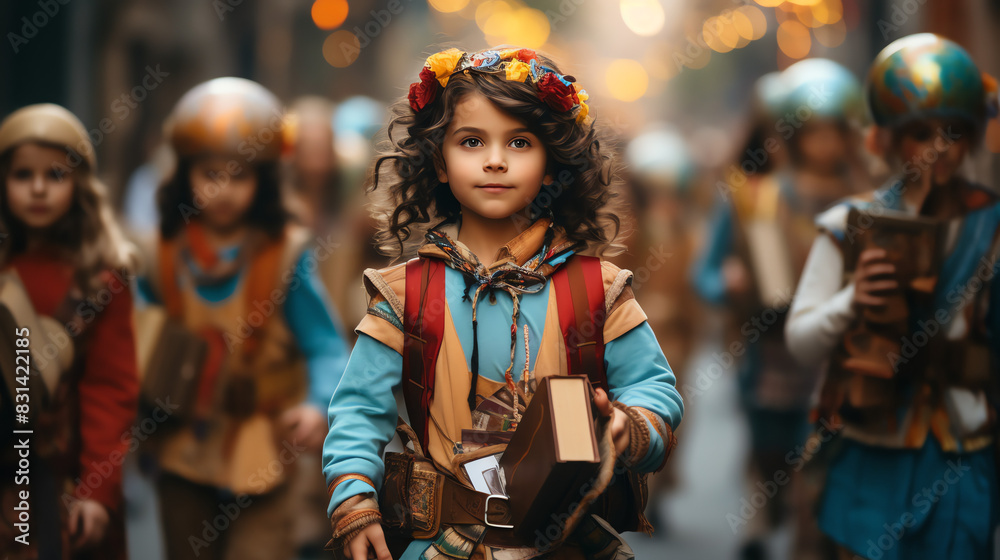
(423, 329)
(579, 286)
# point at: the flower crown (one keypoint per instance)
(560, 92)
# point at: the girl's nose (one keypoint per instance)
(495, 162)
(38, 184)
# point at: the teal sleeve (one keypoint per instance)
(144, 294)
(706, 274)
(639, 375)
(316, 327)
(362, 416)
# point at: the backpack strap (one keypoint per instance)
(579, 286)
(423, 329)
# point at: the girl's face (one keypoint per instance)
(936, 147)
(494, 165)
(39, 189)
(824, 145)
(224, 197)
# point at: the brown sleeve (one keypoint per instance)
(383, 321)
(624, 313)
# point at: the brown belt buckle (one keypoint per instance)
(486, 511)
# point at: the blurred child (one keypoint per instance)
(909, 427)
(65, 278)
(230, 267)
(759, 246)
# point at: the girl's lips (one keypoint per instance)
(494, 188)
(38, 209)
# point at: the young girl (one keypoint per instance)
(65, 279)
(496, 152)
(229, 267)
(913, 472)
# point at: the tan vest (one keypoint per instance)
(449, 409)
(244, 455)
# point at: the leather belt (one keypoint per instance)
(464, 506)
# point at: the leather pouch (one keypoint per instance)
(411, 496)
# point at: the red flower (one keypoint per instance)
(526, 55)
(558, 95)
(424, 91)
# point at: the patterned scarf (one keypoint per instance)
(509, 276)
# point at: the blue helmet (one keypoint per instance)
(826, 88)
(925, 76)
(660, 159)
(769, 94)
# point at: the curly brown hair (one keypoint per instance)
(576, 159)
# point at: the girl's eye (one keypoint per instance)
(472, 143)
(520, 143)
(21, 174)
(920, 133)
(57, 175)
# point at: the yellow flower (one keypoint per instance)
(583, 96)
(517, 71)
(443, 64)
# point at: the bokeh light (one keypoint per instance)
(488, 9)
(528, 28)
(448, 6)
(626, 79)
(329, 14)
(712, 32)
(831, 35)
(793, 39)
(341, 48)
(742, 24)
(643, 17)
(505, 24)
(831, 11)
(757, 19)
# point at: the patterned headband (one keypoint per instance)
(560, 92)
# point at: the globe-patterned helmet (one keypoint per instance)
(925, 76)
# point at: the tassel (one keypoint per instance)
(475, 362)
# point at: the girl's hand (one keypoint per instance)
(620, 431)
(369, 537)
(870, 278)
(305, 425)
(88, 521)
